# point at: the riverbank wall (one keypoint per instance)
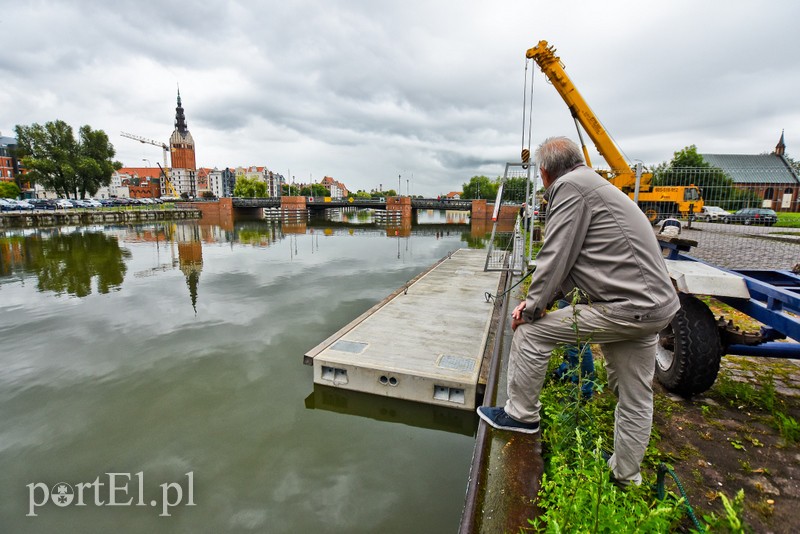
(81, 217)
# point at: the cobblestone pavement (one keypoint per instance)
(744, 247)
(785, 373)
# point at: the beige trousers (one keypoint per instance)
(629, 350)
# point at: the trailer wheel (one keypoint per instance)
(689, 349)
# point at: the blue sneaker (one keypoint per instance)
(498, 418)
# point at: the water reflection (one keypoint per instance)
(391, 410)
(192, 361)
(65, 260)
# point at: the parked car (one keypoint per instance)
(23, 204)
(43, 204)
(712, 213)
(5, 205)
(92, 203)
(78, 203)
(64, 203)
(763, 216)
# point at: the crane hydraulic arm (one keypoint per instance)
(657, 202)
(168, 187)
(550, 64)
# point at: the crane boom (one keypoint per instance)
(141, 139)
(551, 66)
(656, 202)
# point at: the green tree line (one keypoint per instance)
(483, 187)
(688, 167)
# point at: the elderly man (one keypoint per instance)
(599, 242)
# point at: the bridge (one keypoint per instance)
(226, 209)
(328, 202)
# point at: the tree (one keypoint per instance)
(249, 188)
(514, 189)
(58, 161)
(480, 187)
(9, 190)
(290, 190)
(314, 190)
(688, 167)
(793, 163)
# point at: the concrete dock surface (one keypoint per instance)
(424, 343)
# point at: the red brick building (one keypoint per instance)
(142, 182)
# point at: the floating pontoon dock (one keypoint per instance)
(424, 343)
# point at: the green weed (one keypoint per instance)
(577, 493)
(788, 427)
(731, 521)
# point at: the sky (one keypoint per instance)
(415, 94)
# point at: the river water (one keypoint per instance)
(159, 368)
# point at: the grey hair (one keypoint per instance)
(557, 155)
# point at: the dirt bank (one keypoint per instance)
(730, 438)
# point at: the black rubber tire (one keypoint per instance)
(689, 349)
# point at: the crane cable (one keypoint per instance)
(527, 106)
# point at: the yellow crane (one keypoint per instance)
(656, 201)
(168, 187)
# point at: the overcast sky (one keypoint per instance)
(431, 91)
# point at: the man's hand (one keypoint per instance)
(516, 316)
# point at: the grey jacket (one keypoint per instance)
(597, 239)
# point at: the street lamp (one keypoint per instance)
(399, 191)
(148, 162)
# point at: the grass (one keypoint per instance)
(788, 220)
(577, 494)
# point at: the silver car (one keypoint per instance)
(712, 214)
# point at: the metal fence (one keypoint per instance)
(754, 225)
(708, 206)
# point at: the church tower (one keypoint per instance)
(181, 147)
(780, 148)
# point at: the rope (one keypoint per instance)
(663, 469)
(490, 297)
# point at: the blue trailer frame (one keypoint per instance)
(773, 293)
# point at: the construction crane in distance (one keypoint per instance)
(166, 185)
(149, 142)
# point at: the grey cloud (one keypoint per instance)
(367, 90)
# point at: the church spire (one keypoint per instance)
(180, 118)
(780, 148)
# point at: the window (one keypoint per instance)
(768, 194)
(691, 194)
